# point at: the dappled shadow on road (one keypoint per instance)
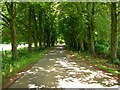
(80, 76)
(57, 70)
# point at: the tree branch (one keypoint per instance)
(4, 25)
(5, 21)
(22, 23)
(5, 18)
(8, 6)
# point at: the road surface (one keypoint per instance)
(57, 70)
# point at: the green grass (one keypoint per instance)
(12, 66)
(110, 70)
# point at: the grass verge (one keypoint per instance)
(10, 67)
(102, 64)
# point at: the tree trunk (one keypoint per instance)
(30, 32)
(40, 29)
(35, 35)
(48, 41)
(81, 45)
(113, 31)
(40, 43)
(52, 39)
(13, 38)
(12, 14)
(91, 29)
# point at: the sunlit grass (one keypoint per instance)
(111, 70)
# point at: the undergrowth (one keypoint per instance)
(101, 63)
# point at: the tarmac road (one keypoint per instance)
(57, 70)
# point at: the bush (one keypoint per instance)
(101, 48)
(116, 61)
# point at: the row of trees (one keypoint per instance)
(29, 23)
(91, 27)
(86, 26)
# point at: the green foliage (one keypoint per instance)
(111, 70)
(80, 15)
(116, 61)
(101, 48)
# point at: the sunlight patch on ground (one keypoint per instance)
(60, 47)
(46, 54)
(61, 51)
(41, 68)
(58, 76)
(90, 78)
(52, 53)
(30, 72)
(51, 59)
(32, 86)
(74, 83)
(20, 73)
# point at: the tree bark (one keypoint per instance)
(40, 29)
(12, 14)
(81, 45)
(30, 32)
(13, 38)
(48, 40)
(113, 31)
(91, 28)
(35, 35)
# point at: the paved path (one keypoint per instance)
(57, 70)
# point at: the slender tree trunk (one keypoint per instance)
(91, 29)
(30, 32)
(13, 38)
(12, 14)
(40, 43)
(44, 38)
(40, 29)
(113, 31)
(81, 45)
(35, 35)
(52, 43)
(35, 41)
(48, 41)
(52, 39)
